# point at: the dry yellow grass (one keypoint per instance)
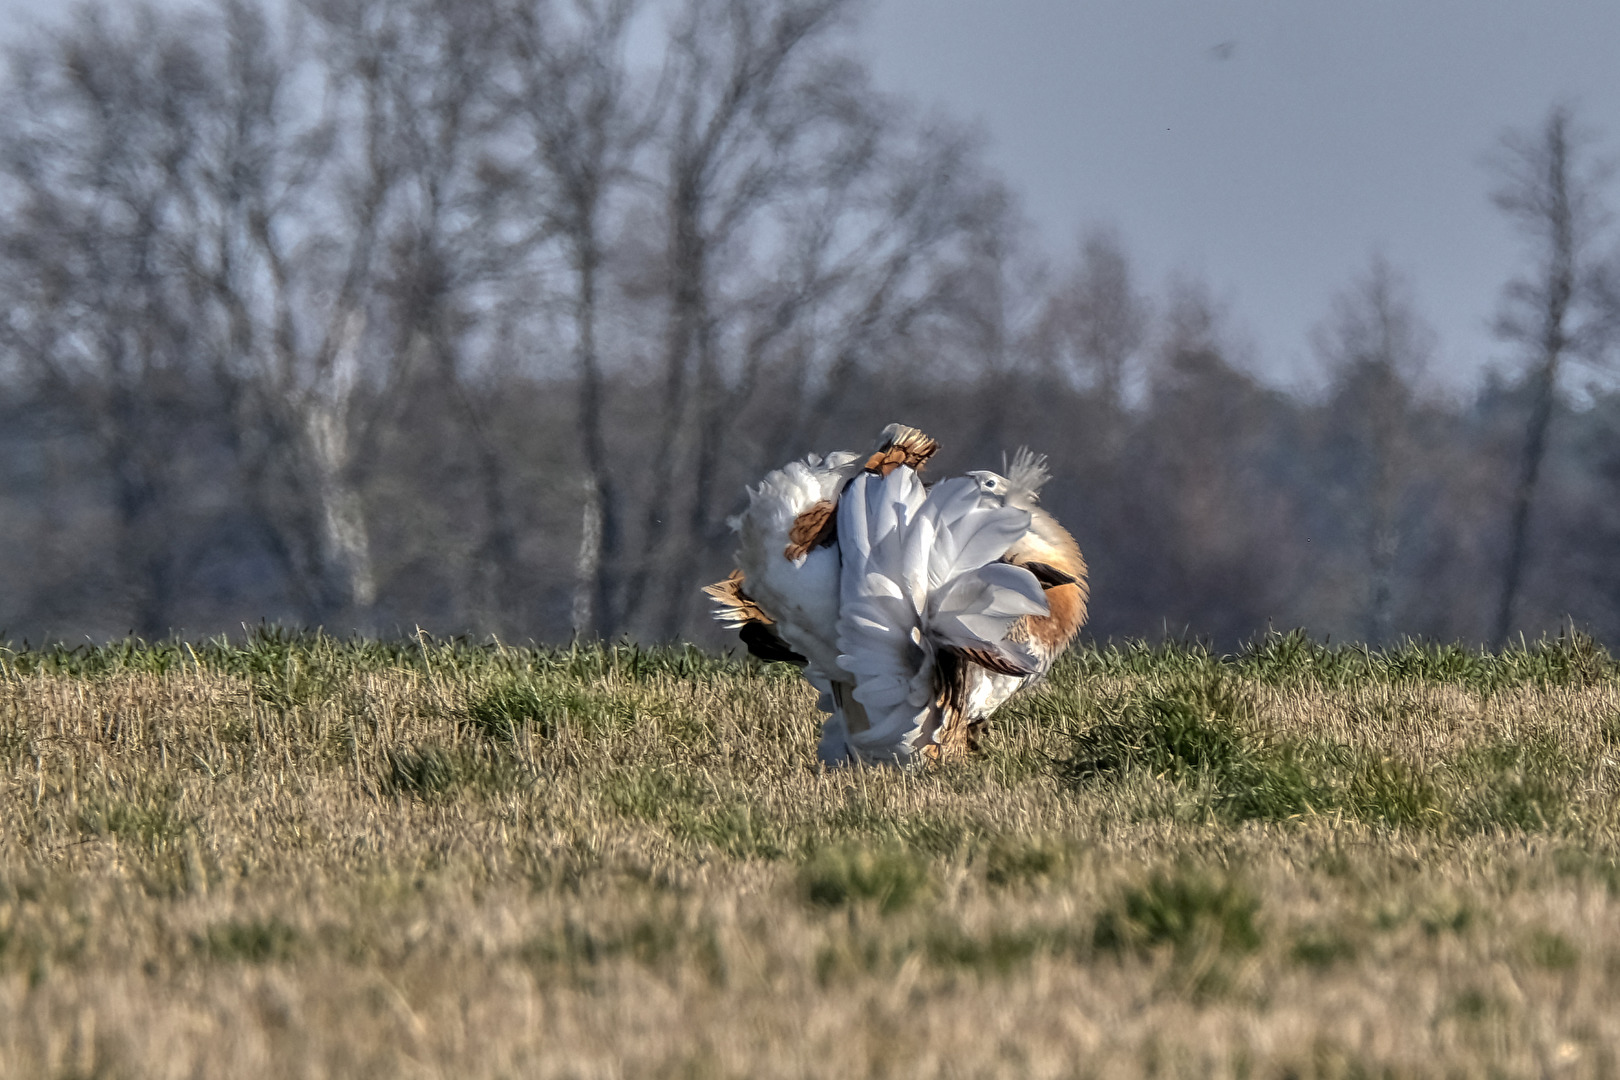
(315, 860)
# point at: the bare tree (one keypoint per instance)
(480, 313)
(1552, 193)
(572, 96)
(1199, 467)
(738, 109)
(1096, 322)
(811, 224)
(900, 267)
(1375, 346)
(453, 264)
(278, 302)
(102, 117)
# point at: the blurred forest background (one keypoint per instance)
(477, 315)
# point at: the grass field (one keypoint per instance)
(305, 857)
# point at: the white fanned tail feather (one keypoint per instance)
(920, 572)
(800, 594)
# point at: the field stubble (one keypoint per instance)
(304, 857)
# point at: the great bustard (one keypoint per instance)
(915, 611)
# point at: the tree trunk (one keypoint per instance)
(1535, 448)
(688, 311)
(1546, 196)
(346, 576)
(599, 526)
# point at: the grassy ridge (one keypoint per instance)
(300, 855)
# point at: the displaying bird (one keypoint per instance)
(915, 611)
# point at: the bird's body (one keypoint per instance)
(915, 611)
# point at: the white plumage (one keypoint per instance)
(915, 611)
(800, 591)
(920, 574)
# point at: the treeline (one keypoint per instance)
(477, 315)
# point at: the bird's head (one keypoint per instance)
(993, 487)
(1018, 484)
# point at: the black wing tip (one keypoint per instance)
(1048, 575)
(764, 643)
